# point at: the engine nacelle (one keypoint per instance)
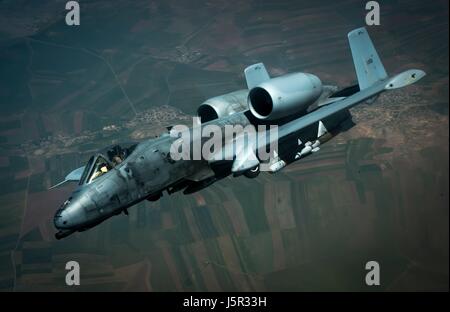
(223, 105)
(281, 96)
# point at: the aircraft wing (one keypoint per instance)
(329, 110)
(401, 80)
(247, 158)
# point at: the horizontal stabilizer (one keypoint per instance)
(405, 79)
(331, 100)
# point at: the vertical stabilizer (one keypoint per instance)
(255, 74)
(368, 66)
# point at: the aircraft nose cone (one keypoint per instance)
(60, 219)
(70, 214)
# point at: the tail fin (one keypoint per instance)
(368, 66)
(256, 74)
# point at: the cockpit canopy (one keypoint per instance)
(100, 164)
(96, 167)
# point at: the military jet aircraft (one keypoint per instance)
(306, 113)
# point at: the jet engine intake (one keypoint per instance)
(223, 105)
(284, 95)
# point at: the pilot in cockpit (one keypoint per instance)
(101, 170)
(117, 154)
(116, 160)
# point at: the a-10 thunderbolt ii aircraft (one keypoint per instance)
(306, 113)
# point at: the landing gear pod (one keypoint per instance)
(252, 173)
